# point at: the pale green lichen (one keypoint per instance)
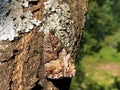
(13, 19)
(26, 2)
(58, 19)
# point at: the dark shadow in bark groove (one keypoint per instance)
(61, 84)
(10, 83)
(37, 87)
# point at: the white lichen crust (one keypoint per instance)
(13, 19)
(58, 19)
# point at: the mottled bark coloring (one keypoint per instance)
(38, 43)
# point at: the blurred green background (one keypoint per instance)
(98, 61)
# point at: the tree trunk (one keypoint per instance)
(38, 43)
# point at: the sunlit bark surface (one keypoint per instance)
(38, 43)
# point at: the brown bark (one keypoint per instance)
(35, 60)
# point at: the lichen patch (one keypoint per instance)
(58, 20)
(14, 19)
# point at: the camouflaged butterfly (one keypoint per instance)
(58, 62)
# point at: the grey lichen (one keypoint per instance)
(26, 2)
(13, 19)
(58, 19)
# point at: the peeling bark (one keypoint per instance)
(38, 43)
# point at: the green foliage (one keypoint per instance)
(116, 9)
(100, 20)
(98, 61)
(118, 46)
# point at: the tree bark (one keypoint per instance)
(38, 43)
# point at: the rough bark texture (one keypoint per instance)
(38, 43)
